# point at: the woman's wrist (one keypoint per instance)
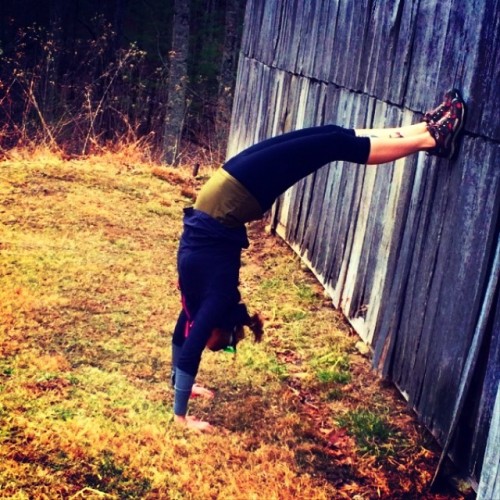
(183, 387)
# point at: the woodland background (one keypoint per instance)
(88, 74)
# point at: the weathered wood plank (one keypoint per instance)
(405, 250)
(490, 478)
(489, 487)
(487, 391)
(389, 49)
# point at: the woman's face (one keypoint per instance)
(221, 338)
(218, 340)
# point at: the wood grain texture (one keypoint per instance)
(405, 250)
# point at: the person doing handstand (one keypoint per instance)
(241, 191)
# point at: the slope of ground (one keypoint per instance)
(88, 300)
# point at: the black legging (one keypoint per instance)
(270, 167)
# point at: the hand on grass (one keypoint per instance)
(200, 391)
(193, 423)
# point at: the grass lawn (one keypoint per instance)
(88, 300)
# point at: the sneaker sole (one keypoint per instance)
(457, 133)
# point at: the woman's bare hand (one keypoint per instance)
(200, 391)
(193, 423)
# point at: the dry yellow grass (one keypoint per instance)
(88, 300)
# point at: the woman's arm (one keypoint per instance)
(207, 317)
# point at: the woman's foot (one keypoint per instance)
(446, 131)
(434, 115)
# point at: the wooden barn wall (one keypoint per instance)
(406, 250)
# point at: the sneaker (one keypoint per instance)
(446, 131)
(434, 115)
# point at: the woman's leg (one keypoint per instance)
(291, 136)
(438, 138)
(270, 171)
(385, 150)
(393, 133)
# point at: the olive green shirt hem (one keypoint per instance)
(225, 199)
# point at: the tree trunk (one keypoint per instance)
(234, 12)
(177, 83)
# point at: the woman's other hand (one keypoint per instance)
(193, 423)
(202, 392)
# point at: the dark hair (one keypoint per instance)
(256, 326)
(239, 317)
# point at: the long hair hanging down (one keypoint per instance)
(256, 325)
